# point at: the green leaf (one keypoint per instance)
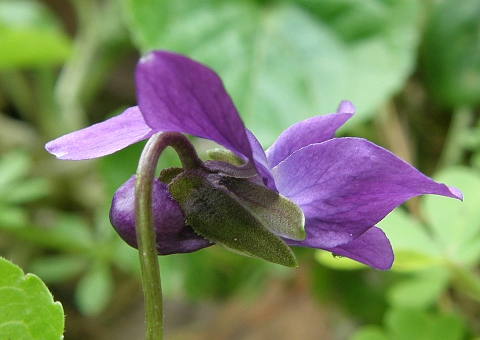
(414, 324)
(30, 36)
(420, 291)
(217, 215)
(457, 224)
(58, 268)
(14, 187)
(413, 247)
(283, 62)
(68, 232)
(370, 333)
(27, 309)
(24, 191)
(466, 281)
(94, 290)
(13, 218)
(451, 53)
(337, 262)
(13, 166)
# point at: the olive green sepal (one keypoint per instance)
(276, 212)
(224, 155)
(216, 214)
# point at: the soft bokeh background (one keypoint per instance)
(412, 69)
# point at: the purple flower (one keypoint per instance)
(344, 186)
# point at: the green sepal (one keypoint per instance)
(276, 212)
(224, 155)
(225, 162)
(218, 216)
(227, 169)
(167, 175)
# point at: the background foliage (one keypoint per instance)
(412, 69)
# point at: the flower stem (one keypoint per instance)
(147, 248)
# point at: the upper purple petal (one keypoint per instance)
(346, 185)
(371, 248)
(103, 138)
(313, 130)
(178, 94)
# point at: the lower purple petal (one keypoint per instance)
(103, 138)
(371, 248)
(172, 235)
(346, 185)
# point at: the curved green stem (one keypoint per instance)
(147, 248)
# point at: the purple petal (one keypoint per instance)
(371, 248)
(178, 94)
(313, 130)
(346, 107)
(172, 235)
(103, 138)
(346, 185)
(260, 162)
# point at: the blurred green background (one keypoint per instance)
(411, 68)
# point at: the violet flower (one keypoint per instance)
(344, 186)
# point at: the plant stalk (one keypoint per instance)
(144, 223)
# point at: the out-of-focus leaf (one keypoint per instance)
(414, 324)
(13, 218)
(30, 36)
(370, 333)
(420, 291)
(94, 290)
(223, 274)
(27, 309)
(451, 53)
(337, 262)
(125, 257)
(413, 247)
(58, 268)
(69, 233)
(457, 224)
(411, 260)
(15, 189)
(13, 166)
(285, 62)
(24, 191)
